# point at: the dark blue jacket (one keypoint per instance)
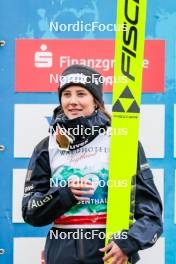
(52, 202)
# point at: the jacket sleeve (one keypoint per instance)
(148, 211)
(43, 203)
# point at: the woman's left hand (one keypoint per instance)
(115, 255)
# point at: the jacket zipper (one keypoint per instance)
(81, 250)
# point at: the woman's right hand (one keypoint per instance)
(81, 188)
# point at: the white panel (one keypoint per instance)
(155, 254)
(30, 127)
(152, 128)
(28, 250)
(18, 189)
(159, 181)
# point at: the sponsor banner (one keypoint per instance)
(40, 62)
(19, 176)
(30, 250)
(32, 123)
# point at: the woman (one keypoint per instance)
(63, 181)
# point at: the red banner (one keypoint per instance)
(40, 62)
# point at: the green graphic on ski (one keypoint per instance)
(125, 114)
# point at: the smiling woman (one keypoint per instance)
(81, 161)
(77, 102)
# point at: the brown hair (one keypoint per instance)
(102, 108)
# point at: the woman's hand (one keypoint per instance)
(115, 255)
(81, 188)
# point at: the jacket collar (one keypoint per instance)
(79, 131)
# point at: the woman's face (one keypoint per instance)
(76, 101)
